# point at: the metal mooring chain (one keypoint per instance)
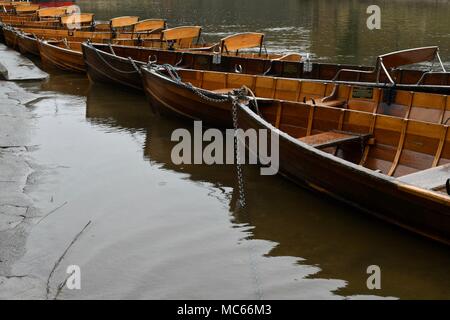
(240, 173)
(174, 75)
(234, 98)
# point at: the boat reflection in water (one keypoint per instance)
(299, 241)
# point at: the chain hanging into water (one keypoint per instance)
(233, 97)
(240, 174)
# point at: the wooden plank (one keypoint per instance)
(240, 41)
(279, 112)
(149, 24)
(299, 91)
(181, 33)
(122, 22)
(440, 147)
(410, 56)
(78, 18)
(332, 139)
(399, 149)
(52, 12)
(310, 120)
(431, 179)
(367, 147)
(27, 8)
(408, 112)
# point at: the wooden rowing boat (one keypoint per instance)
(388, 156)
(169, 95)
(117, 64)
(83, 21)
(28, 44)
(10, 36)
(25, 23)
(107, 63)
(2, 36)
(393, 168)
(146, 29)
(17, 7)
(26, 9)
(74, 21)
(70, 35)
(62, 54)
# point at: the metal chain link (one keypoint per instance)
(174, 75)
(240, 173)
(232, 97)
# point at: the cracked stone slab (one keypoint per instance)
(16, 174)
(21, 287)
(11, 210)
(9, 222)
(16, 67)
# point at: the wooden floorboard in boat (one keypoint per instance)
(432, 179)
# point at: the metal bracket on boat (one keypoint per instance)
(151, 60)
(440, 60)
(217, 56)
(238, 68)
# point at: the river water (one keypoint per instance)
(159, 230)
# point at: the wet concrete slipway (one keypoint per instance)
(86, 179)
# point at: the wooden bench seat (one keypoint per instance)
(334, 139)
(431, 179)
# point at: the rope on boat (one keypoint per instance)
(111, 49)
(134, 65)
(109, 65)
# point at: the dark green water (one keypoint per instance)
(330, 30)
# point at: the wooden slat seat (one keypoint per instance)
(333, 139)
(432, 179)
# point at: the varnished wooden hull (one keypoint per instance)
(10, 38)
(61, 58)
(2, 35)
(168, 97)
(108, 68)
(411, 208)
(28, 45)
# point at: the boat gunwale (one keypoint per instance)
(48, 44)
